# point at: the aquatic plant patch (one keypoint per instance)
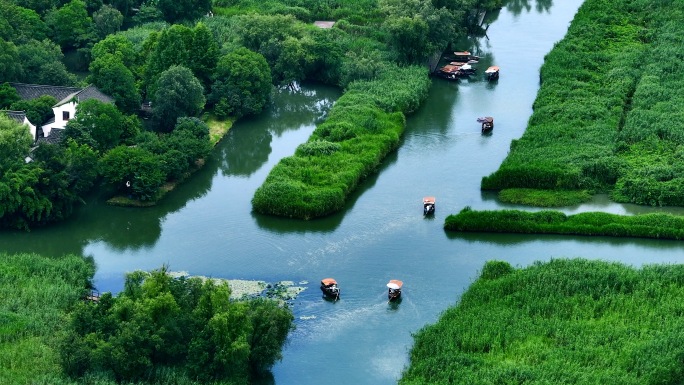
(606, 117)
(358, 133)
(543, 198)
(657, 225)
(35, 296)
(567, 321)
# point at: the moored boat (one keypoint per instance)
(329, 288)
(492, 73)
(428, 205)
(394, 289)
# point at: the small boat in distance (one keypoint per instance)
(394, 289)
(487, 123)
(329, 288)
(492, 73)
(428, 205)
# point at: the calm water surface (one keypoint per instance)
(206, 227)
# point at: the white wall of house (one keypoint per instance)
(63, 114)
(31, 127)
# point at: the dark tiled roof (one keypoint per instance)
(91, 92)
(15, 115)
(54, 138)
(63, 94)
(32, 91)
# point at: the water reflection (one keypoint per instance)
(246, 149)
(518, 6)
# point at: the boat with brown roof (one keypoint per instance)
(329, 288)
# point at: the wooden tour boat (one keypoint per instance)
(465, 56)
(394, 289)
(329, 288)
(492, 73)
(487, 123)
(428, 205)
(455, 70)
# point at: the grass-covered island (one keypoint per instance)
(606, 118)
(158, 330)
(560, 322)
(655, 225)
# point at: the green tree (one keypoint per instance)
(291, 62)
(205, 53)
(409, 36)
(270, 326)
(38, 110)
(103, 121)
(112, 77)
(118, 46)
(8, 95)
(71, 26)
(40, 6)
(134, 171)
(178, 94)
(242, 83)
(177, 10)
(15, 141)
(41, 63)
(10, 64)
(107, 20)
(20, 25)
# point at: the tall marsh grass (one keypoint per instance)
(35, 295)
(560, 322)
(607, 115)
(365, 124)
(657, 225)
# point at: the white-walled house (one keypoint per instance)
(65, 109)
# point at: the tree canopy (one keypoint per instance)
(242, 84)
(178, 94)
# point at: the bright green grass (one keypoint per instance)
(35, 294)
(562, 322)
(544, 198)
(657, 225)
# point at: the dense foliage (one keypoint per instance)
(35, 295)
(605, 118)
(544, 198)
(657, 225)
(365, 124)
(561, 322)
(187, 325)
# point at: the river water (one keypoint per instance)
(206, 226)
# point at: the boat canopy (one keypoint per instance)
(429, 200)
(492, 69)
(462, 53)
(395, 284)
(328, 281)
(466, 67)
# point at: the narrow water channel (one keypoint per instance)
(206, 227)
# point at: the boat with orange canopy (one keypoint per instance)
(329, 287)
(394, 289)
(428, 205)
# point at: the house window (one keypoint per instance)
(65, 115)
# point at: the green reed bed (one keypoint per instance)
(365, 124)
(567, 321)
(544, 198)
(608, 115)
(587, 81)
(652, 140)
(657, 225)
(35, 295)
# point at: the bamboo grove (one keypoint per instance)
(607, 115)
(561, 322)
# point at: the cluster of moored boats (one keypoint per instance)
(461, 65)
(331, 290)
